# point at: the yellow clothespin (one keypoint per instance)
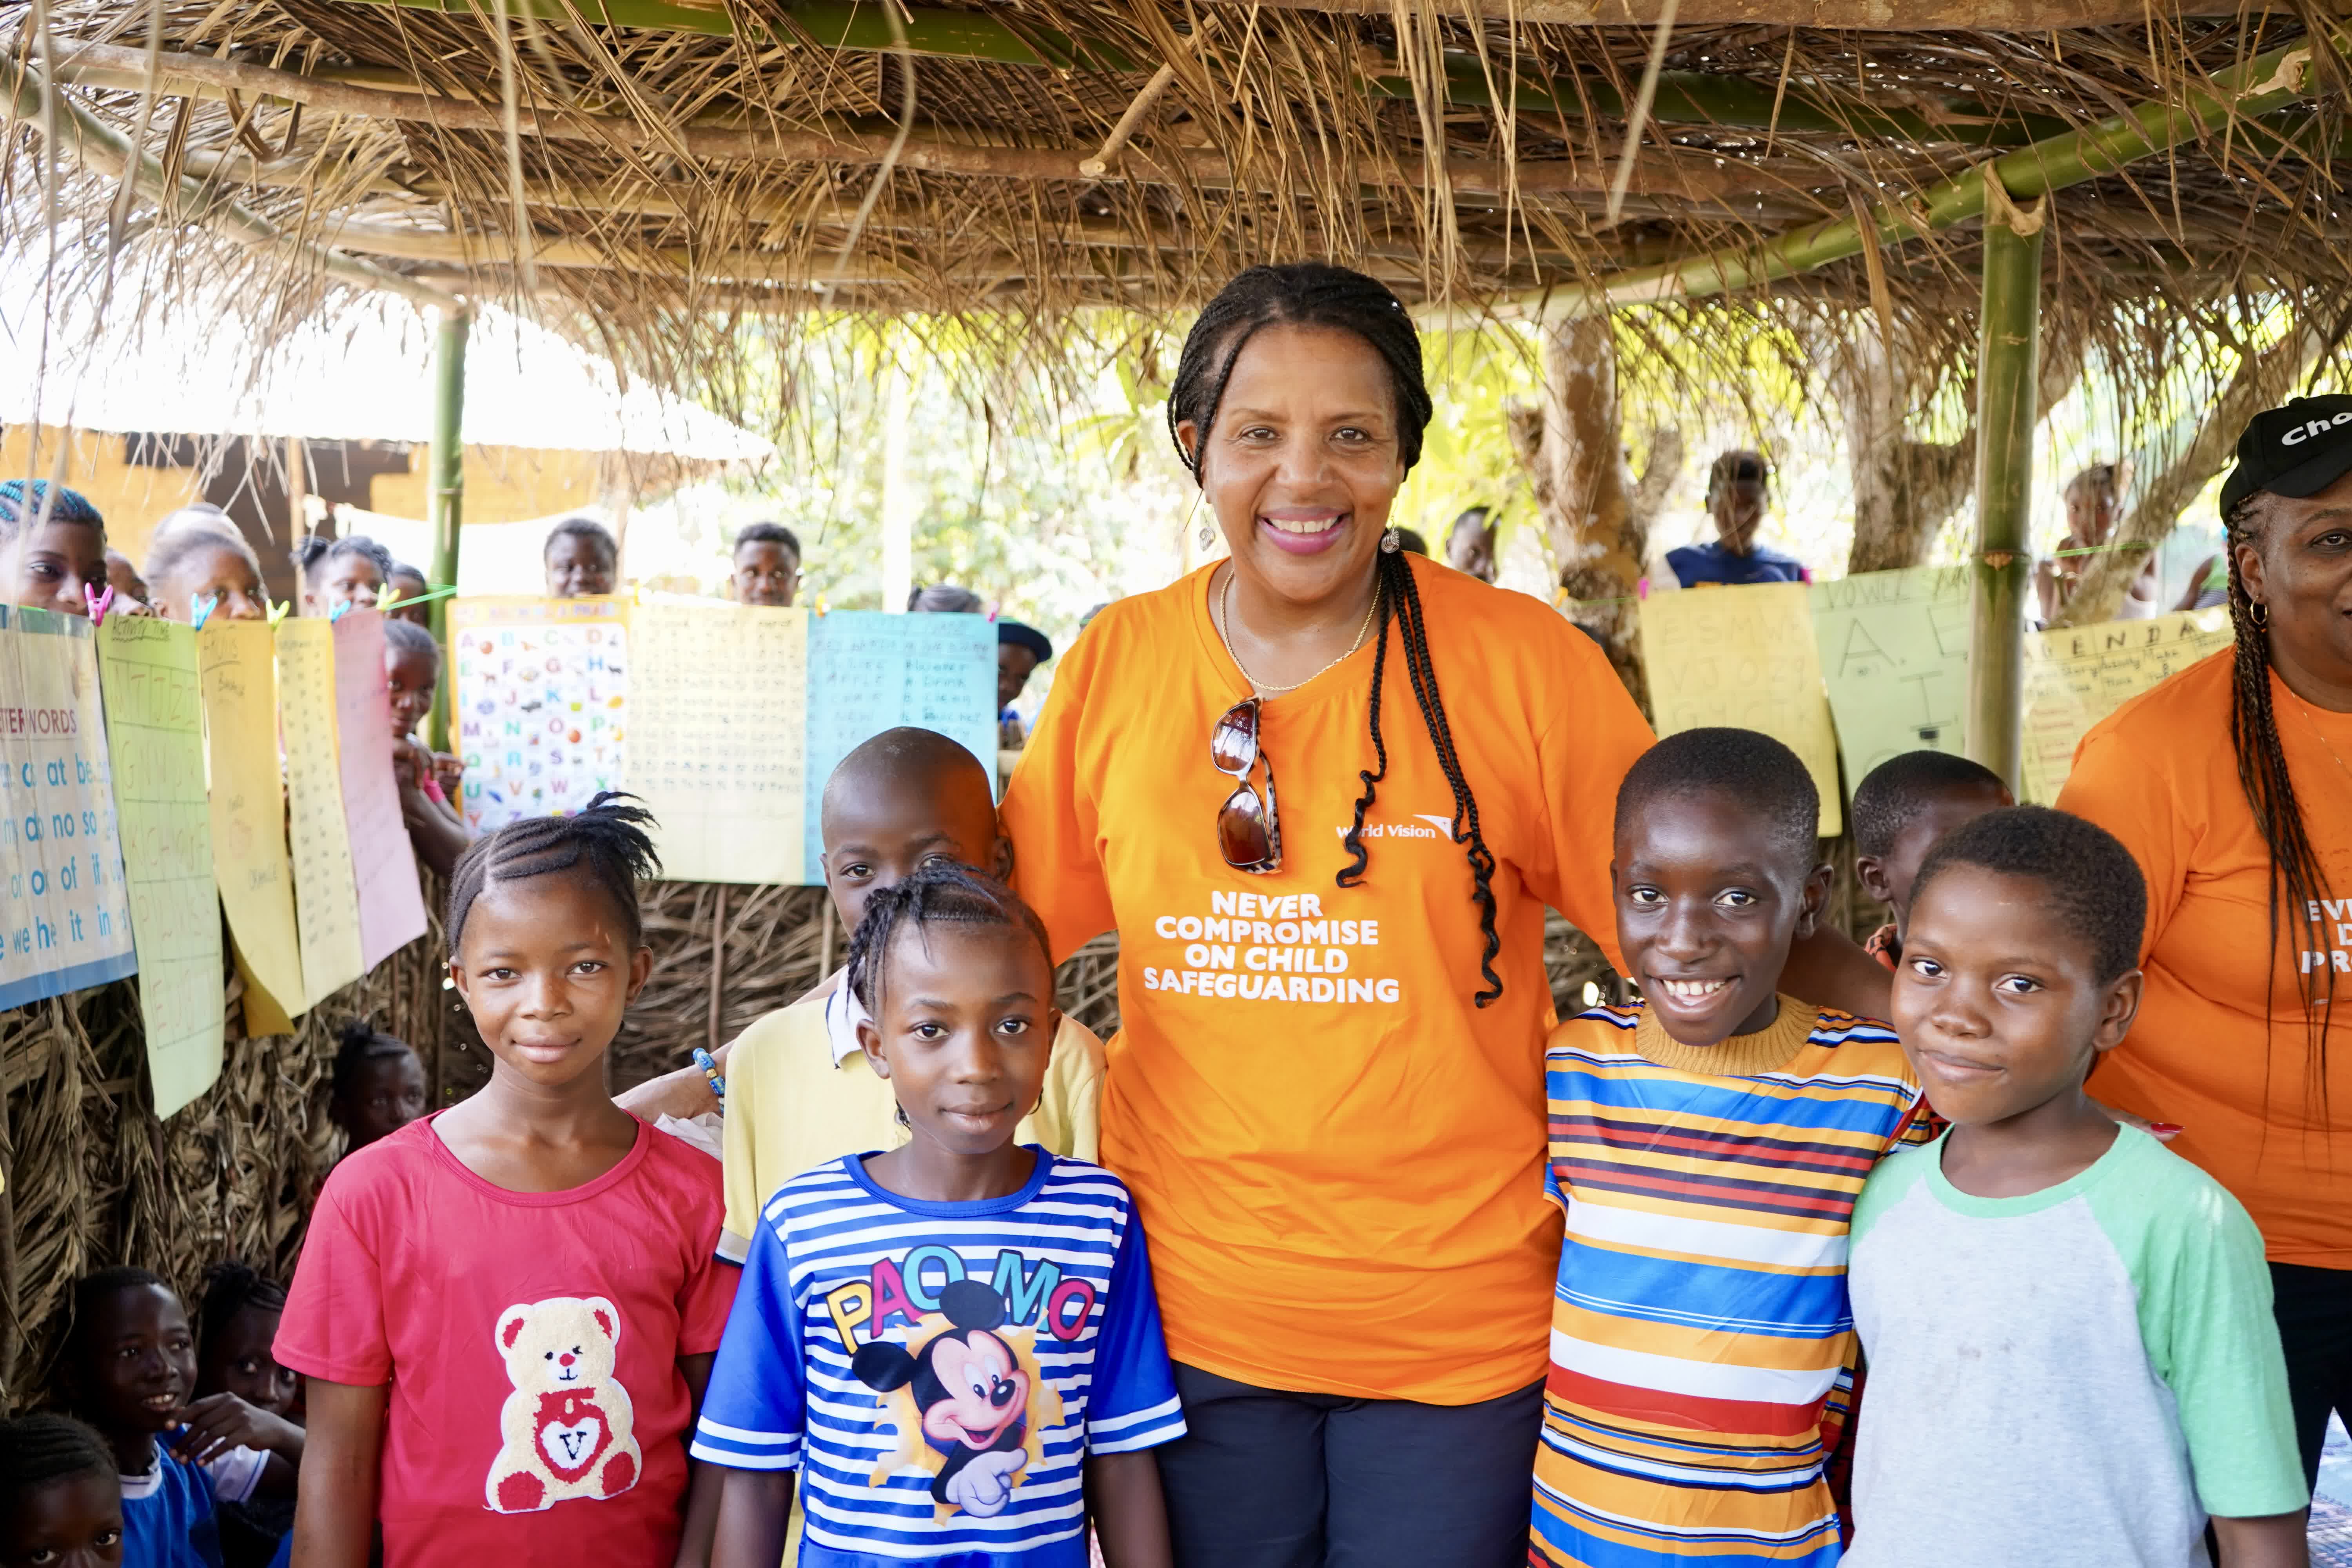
(278, 611)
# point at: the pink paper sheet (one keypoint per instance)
(391, 909)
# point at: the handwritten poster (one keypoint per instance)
(155, 726)
(870, 671)
(1745, 657)
(2075, 679)
(1895, 657)
(384, 866)
(236, 673)
(64, 917)
(720, 738)
(541, 703)
(326, 895)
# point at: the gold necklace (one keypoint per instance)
(2302, 708)
(1225, 614)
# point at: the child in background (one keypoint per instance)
(198, 553)
(1707, 1146)
(412, 671)
(122, 576)
(798, 1091)
(52, 547)
(377, 1085)
(236, 1321)
(582, 558)
(337, 574)
(63, 1499)
(506, 1311)
(2071, 1353)
(129, 1368)
(409, 583)
(1902, 809)
(975, 1315)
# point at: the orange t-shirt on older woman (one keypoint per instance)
(1338, 1157)
(2223, 1044)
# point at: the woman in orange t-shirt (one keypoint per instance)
(2231, 784)
(1327, 1092)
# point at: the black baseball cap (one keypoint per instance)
(1028, 636)
(2297, 450)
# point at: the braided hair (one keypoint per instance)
(1316, 294)
(314, 552)
(37, 1449)
(229, 1289)
(2296, 880)
(940, 892)
(27, 500)
(358, 1043)
(606, 843)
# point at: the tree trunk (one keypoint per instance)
(2261, 379)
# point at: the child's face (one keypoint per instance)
(1707, 902)
(124, 577)
(766, 573)
(877, 835)
(139, 1362)
(1996, 999)
(1014, 665)
(386, 1094)
(217, 572)
(410, 587)
(577, 566)
(73, 1522)
(350, 578)
(965, 1033)
(547, 970)
(409, 674)
(1888, 878)
(238, 1360)
(56, 566)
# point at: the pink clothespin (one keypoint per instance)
(1642, 588)
(99, 603)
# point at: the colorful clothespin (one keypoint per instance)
(388, 601)
(201, 608)
(278, 611)
(338, 612)
(99, 603)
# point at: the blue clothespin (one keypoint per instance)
(200, 609)
(337, 613)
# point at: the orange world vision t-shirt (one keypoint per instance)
(1338, 1157)
(2223, 1042)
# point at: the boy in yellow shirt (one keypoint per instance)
(799, 1090)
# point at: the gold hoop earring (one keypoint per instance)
(2260, 614)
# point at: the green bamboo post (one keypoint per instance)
(446, 488)
(2009, 348)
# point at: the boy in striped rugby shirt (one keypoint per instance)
(1708, 1147)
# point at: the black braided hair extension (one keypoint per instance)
(37, 1449)
(940, 892)
(607, 843)
(1316, 294)
(2296, 878)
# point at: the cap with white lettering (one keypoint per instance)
(2297, 450)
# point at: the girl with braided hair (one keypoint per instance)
(52, 547)
(2231, 785)
(506, 1311)
(1326, 1095)
(62, 1498)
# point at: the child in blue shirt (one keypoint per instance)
(954, 1342)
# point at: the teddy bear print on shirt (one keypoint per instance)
(568, 1429)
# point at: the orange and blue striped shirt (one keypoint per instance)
(1701, 1333)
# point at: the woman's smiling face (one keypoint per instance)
(1302, 461)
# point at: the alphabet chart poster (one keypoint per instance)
(326, 894)
(721, 737)
(236, 673)
(541, 693)
(1746, 657)
(65, 915)
(1894, 655)
(871, 672)
(154, 725)
(392, 905)
(2076, 676)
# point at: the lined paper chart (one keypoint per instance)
(155, 724)
(2076, 676)
(871, 672)
(1894, 655)
(719, 740)
(326, 894)
(392, 905)
(64, 917)
(236, 672)
(542, 690)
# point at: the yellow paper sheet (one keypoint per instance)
(326, 892)
(154, 737)
(2075, 679)
(719, 744)
(236, 669)
(1895, 657)
(1744, 658)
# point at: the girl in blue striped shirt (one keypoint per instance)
(954, 1345)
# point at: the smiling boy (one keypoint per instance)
(2081, 1318)
(1708, 1147)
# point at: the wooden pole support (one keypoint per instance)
(2008, 362)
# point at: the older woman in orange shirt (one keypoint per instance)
(1327, 1092)
(2231, 784)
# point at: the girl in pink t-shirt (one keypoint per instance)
(507, 1312)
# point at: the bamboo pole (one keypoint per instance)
(445, 477)
(2008, 335)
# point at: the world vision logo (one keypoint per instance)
(1423, 825)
